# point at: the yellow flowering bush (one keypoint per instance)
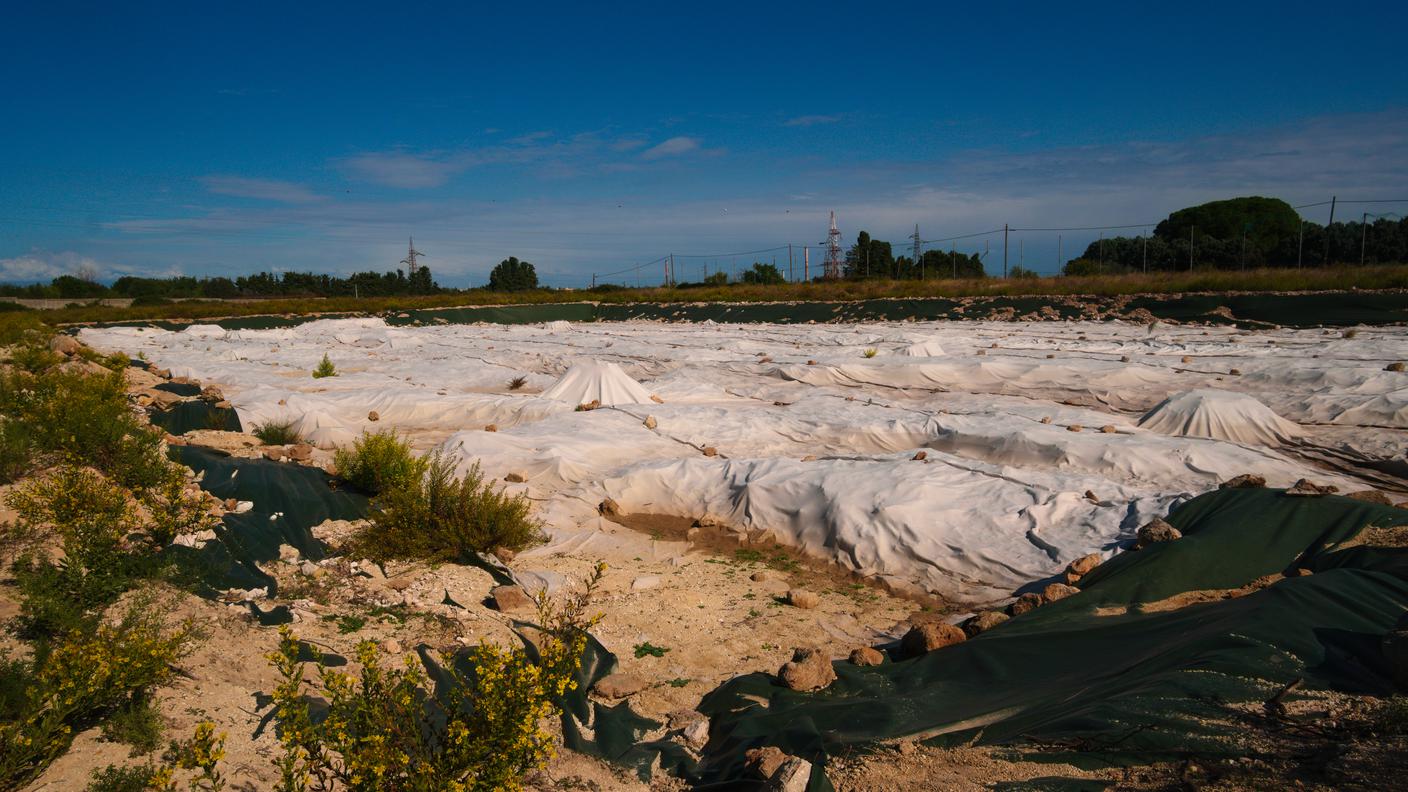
(386, 730)
(85, 676)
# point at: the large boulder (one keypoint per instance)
(809, 669)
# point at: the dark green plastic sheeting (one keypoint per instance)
(189, 416)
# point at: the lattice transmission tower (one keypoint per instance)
(833, 251)
(411, 255)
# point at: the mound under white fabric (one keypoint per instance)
(1222, 415)
(594, 380)
(928, 348)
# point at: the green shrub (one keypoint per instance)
(16, 450)
(276, 433)
(379, 461)
(17, 326)
(441, 517)
(380, 731)
(325, 368)
(135, 723)
(86, 677)
(140, 778)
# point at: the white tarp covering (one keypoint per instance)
(595, 381)
(1221, 415)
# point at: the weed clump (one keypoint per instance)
(440, 517)
(325, 368)
(517, 382)
(379, 461)
(276, 433)
(871, 352)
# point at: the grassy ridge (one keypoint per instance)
(1263, 280)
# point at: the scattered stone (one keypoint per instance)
(809, 458)
(618, 686)
(1107, 429)
(608, 508)
(801, 598)
(1244, 481)
(983, 622)
(308, 568)
(921, 456)
(809, 669)
(514, 477)
(64, 344)
(373, 416)
(981, 352)
(1156, 531)
(390, 646)
(1371, 496)
(231, 503)
(491, 427)
(1299, 572)
(696, 734)
(650, 422)
(1025, 604)
(1305, 488)
(510, 598)
(764, 762)
(301, 452)
(794, 776)
(764, 575)
(710, 451)
(1124, 358)
(645, 582)
(867, 656)
(274, 453)
(656, 399)
(1187, 359)
(1084, 565)
(504, 554)
(1046, 419)
(924, 638)
(1234, 372)
(1090, 496)
(400, 582)
(1395, 367)
(811, 362)
(1058, 591)
(1074, 428)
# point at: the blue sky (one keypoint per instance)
(167, 138)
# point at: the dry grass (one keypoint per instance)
(1328, 279)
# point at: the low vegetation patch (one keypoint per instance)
(276, 433)
(379, 461)
(440, 517)
(325, 368)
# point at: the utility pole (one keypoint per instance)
(593, 280)
(1300, 243)
(1100, 255)
(916, 250)
(1191, 230)
(806, 264)
(1004, 250)
(953, 259)
(1022, 253)
(1363, 236)
(1145, 241)
(789, 262)
(1060, 258)
(1326, 263)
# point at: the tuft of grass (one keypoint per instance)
(113, 778)
(439, 517)
(648, 649)
(379, 461)
(871, 352)
(136, 724)
(276, 433)
(325, 368)
(517, 382)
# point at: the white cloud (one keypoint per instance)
(37, 266)
(261, 189)
(402, 170)
(672, 147)
(811, 120)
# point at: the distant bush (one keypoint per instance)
(440, 517)
(148, 299)
(325, 368)
(1022, 272)
(379, 461)
(276, 433)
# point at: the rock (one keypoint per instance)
(1395, 367)
(696, 734)
(504, 554)
(1244, 481)
(645, 582)
(809, 458)
(924, 638)
(618, 686)
(163, 373)
(811, 362)
(1107, 429)
(64, 344)
(983, 622)
(921, 456)
(608, 508)
(400, 582)
(510, 598)
(373, 416)
(390, 646)
(1124, 358)
(1371, 496)
(274, 453)
(793, 776)
(1085, 564)
(1090, 496)
(764, 762)
(301, 452)
(514, 477)
(650, 422)
(1058, 591)
(764, 575)
(809, 669)
(1305, 488)
(1025, 604)
(1046, 419)
(1187, 359)
(1299, 572)
(710, 451)
(867, 656)
(801, 598)
(308, 568)
(1234, 372)
(656, 399)
(491, 427)
(1074, 428)
(231, 503)
(1156, 531)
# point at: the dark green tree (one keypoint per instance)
(869, 258)
(513, 275)
(763, 274)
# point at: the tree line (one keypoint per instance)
(263, 284)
